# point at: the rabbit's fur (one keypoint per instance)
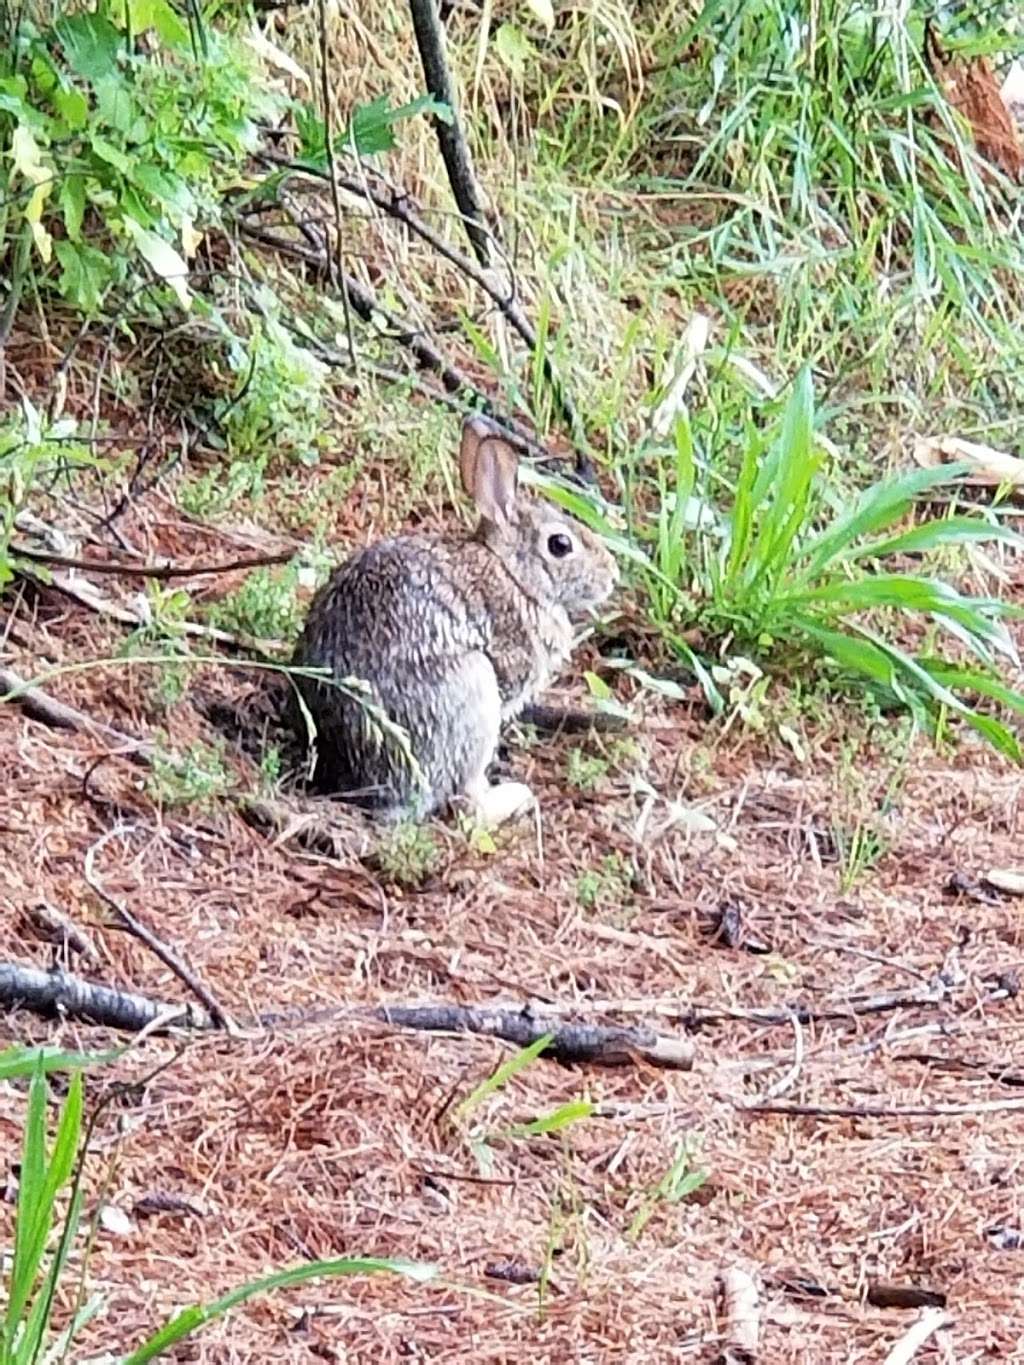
(452, 635)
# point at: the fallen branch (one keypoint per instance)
(161, 570)
(569, 1043)
(568, 720)
(931, 1321)
(53, 992)
(60, 994)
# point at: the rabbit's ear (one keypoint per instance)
(490, 470)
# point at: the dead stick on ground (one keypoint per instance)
(740, 1300)
(883, 1111)
(60, 993)
(49, 992)
(569, 1042)
(931, 1321)
(157, 947)
(41, 706)
(160, 570)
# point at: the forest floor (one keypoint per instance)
(677, 880)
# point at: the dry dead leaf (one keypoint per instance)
(993, 467)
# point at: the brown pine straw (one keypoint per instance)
(249, 1154)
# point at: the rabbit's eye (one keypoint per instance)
(559, 545)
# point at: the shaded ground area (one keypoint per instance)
(237, 1156)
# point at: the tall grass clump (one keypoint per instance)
(836, 198)
(796, 578)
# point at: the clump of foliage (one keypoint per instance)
(265, 607)
(795, 582)
(125, 125)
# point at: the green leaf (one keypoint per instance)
(163, 258)
(158, 14)
(85, 275)
(876, 507)
(91, 44)
(371, 128)
(164, 186)
(111, 155)
(71, 197)
(72, 106)
(115, 104)
(559, 1118)
(931, 535)
(513, 48)
(23, 1061)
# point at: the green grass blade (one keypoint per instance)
(792, 480)
(558, 1119)
(192, 1319)
(22, 1061)
(878, 506)
(33, 1215)
(934, 535)
(504, 1073)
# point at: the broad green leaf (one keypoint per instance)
(371, 128)
(971, 680)
(91, 44)
(114, 103)
(163, 258)
(85, 274)
(876, 507)
(71, 198)
(113, 156)
(513, 48)
(164, 186)
(931, 535)
(72, 106)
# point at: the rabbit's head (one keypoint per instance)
(553, 558)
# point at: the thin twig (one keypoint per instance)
(144, 934)
(884, 1111)
(430, 41)
(162, 570)
(931, 1321)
